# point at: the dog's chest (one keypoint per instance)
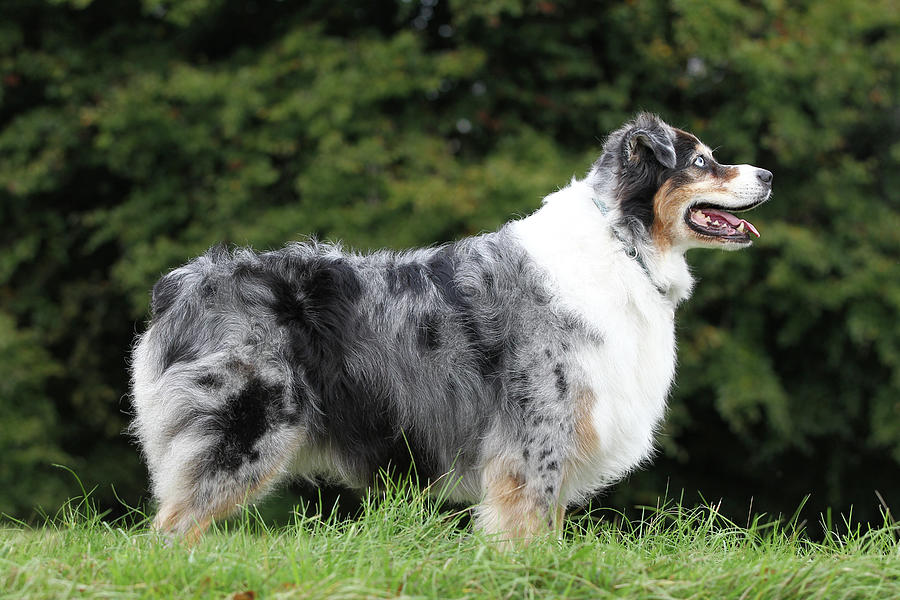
(626, 364)
(625, 380)
(629, 375)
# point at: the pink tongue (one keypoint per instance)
(750, 227)
(730, 219)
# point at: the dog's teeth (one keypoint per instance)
(741, 228)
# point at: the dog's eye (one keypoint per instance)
(699, 162)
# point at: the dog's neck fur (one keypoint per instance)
(668, 269)
(578, 230)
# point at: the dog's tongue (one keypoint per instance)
(729, 218)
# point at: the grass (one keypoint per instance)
(403, 547)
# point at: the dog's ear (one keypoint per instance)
(636, 157)
(650, 132)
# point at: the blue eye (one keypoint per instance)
(699, 162)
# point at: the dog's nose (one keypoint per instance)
(764, 176)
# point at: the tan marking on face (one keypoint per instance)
(729, 174)
(668, 209)
(509, 510)
(671, 201)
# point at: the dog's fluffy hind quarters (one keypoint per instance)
(524, 369)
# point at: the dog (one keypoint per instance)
(520, 371)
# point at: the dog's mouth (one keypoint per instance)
(715, 222)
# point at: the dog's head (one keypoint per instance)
(665, 181)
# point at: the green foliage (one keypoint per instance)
(135, 135)
(29, 438)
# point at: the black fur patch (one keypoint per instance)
(406, 278)
(429, 333)
(180, 348)
(685, 148)
(243, 420)
(165, 291)
(442, 270)
(637, 185)
(562, 386)
(210, 380)
(479, 328)
(518, 390)
(316, 302)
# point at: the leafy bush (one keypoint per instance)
(133, 136)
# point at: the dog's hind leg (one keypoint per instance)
(189, 515)
(206, 485)
(213, 442)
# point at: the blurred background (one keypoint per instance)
(135, 134)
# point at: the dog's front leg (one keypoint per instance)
(519, 503)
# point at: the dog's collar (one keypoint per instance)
(631, 250)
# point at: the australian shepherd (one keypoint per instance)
(520, 371)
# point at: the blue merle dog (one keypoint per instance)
(521, 370)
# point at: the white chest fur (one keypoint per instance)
(628, 371)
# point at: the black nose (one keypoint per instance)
(764, 176)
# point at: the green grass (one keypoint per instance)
(403, 547)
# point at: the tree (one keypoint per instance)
(133, 136)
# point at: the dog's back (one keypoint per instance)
(317, 362)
